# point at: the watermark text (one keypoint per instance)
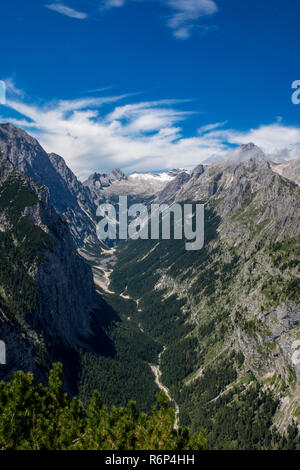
(2, 353)
(159, 222)
(2, 92)
(296, 94)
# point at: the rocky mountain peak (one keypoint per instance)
(245, 153)
(117, 175)
(248, 147)
(197, 171)
(98, 181)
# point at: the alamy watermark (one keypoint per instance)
(2, 92)
(296, 94)
(2, 353)
(140, 222)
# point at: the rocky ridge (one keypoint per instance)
(69, 197)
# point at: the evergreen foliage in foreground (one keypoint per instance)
(36, 417)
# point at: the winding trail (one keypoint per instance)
(158, 374)
(101, 273)
(156, 368)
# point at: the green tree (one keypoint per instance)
(36, 417)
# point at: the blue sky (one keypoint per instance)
(151, 84)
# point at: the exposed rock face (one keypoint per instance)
(60, 316)
(73, 185)
(232, 175)
(69, 197)
(66, 290)
(175, 185)
(282, 323)
(116, 175)
(97, 182)
(290, 170)
(246, 174)
(20, 352)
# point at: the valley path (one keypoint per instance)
(158, 374)
(102, 268)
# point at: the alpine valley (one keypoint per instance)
(217, 330)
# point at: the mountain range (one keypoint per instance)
(218, 329)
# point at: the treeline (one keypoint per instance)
(35, 417)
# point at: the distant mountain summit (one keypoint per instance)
(245, 152)
(244, 162)
(137, 184)
(97, 182)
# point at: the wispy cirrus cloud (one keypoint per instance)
(185, 16)
(136, 136)
(12, 88)
(182, 21)
(210, 127)
(187, 13)
(67, 11)
(113, 3)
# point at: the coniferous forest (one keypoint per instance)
(36, 417)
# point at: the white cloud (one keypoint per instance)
(276, 139)
(113, 3)
(183, 32)
(67, 11)
(138, 136)
(187, 12)
(12, 88)
(211, 127)
(182, 21)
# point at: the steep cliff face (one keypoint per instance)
(47, 295)
(69, 197)
(172, 188)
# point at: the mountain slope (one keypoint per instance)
(290, 170)
(229, 314)
(47, 296)
(218, 328)
(69, 197)
(49, 306)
